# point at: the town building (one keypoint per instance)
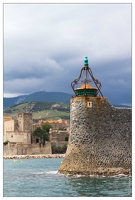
(19, 140)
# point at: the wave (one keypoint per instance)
(52, 172)
(79, 175)
(44, 173)
(95, 176)
(122, 175)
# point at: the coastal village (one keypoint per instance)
(67, 119)
(100, 141)
(19, 140)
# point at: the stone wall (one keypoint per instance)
(41, 150)
(26, 149)
(8, 126)
(58, 137)
(18, 137)
(18, 130)
(25, 122)
(100, 140)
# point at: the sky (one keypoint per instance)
(45, 45)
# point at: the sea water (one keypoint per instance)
(40, 178)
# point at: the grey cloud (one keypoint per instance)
(76, 26)
(116, 87)
(45, 44)
(32, 68)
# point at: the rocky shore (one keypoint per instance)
(100, 172)
(35, 156)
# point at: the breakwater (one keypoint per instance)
(100, 141)
(35, 156)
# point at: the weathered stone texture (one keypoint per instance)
(100, 138)
(26, 149)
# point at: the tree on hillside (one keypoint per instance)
(42, 133)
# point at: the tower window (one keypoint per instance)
(89, 104)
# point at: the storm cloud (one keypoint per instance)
(45, 44)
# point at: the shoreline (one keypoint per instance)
(101, 172)
(34, 156)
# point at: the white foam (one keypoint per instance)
(121, 175)
(38, 173)
(52, 172)
(78, 175)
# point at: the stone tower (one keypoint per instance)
(100, 141)
(25, 122)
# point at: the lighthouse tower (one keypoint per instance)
(100, 135)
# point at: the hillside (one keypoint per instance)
(57, 97)
(38, 96)
(40, 110)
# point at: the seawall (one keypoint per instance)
(100, 141)
(35, 156)
(26, 149)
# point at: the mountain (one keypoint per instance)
(38, 96)
(40, 110)
(57, 97)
